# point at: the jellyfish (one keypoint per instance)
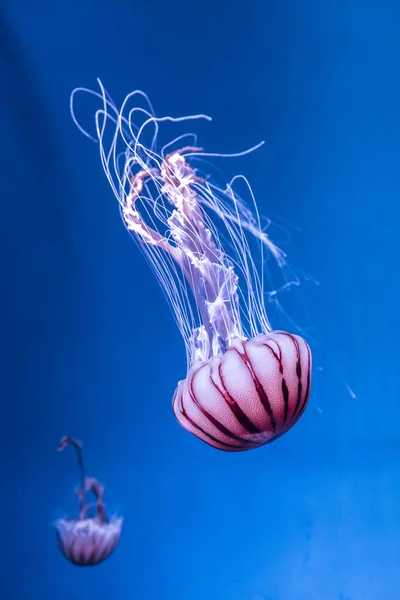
(246, 384)
(87, 541)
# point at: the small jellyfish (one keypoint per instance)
(246, 384)
(87, 541)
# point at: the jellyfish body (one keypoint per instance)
(87, 541)
(251, 395)
(246, 384)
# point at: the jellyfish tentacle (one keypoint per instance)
(207, 269)
(64, 442)
(205, 265)
(132, 217)
(88, 484)
(184, 150)
(92, 485)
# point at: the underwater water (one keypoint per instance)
(90, 349)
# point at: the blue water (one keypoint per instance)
(88, 345)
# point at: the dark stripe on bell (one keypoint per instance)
(240, 415)
(262, 394)
(285, 393)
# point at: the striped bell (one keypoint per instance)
(251, 395)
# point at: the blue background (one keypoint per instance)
(88, 345)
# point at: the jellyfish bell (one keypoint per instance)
(246, 384)
(251, 395)
(87, 541)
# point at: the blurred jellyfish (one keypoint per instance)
(87, 541)
(246, 384)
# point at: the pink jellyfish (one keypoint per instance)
(87, 541)
(246, 384)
